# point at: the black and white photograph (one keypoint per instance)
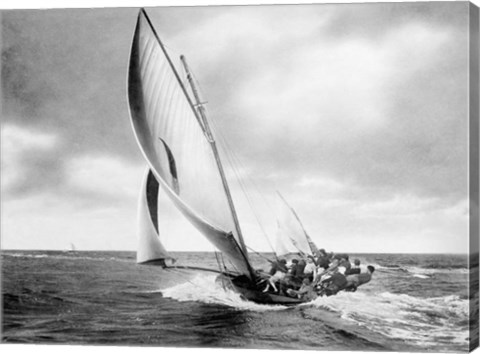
(249, 176)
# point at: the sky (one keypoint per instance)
(357, 114)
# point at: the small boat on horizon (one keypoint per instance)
(70, 248)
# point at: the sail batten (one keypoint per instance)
(172, 139)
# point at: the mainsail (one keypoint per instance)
(175, 143)
(291, 235)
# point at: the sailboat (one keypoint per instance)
(172, 130)
(70, 248)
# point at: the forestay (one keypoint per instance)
(175, 146)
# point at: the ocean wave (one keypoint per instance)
(399, 316)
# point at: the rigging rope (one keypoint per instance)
(261, 255)
(235, 161)
(220, 261)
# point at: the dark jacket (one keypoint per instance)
(339, 280)
(352, 271)
(299, 269)
(323, 261)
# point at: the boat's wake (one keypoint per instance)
(204, 288)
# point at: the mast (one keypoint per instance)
(211, 140)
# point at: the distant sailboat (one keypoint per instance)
(70, 248)
(174, 136)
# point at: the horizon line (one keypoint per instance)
(348, 252)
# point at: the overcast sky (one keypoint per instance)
(356, 113)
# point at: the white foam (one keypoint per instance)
(203, 288)
(420, 271)
(421, 276)
(421, 321)
(430, 271)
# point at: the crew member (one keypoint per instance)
(355, 269)
(355, 280)
(306, 291)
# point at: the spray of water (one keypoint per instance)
(203, 288)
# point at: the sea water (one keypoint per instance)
(413, 303)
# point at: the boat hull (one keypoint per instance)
(251, 291)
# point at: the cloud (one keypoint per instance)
(318, 185)
(376, 112)
(16, 140)
(32, 164)
(110, 176)
(335, 91)
(29, 159)
(94, 206)
(69, 82)
(398, 206)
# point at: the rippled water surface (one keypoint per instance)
(414, 303)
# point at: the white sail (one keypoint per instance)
(70, 248)
(175, 145)
(291, 235)
(150, 248)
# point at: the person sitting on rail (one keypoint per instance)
(306, 291)
(279, 270)
(279, 264)
(322, 260)
(292, 267)
(292, 280)
(335, 263)
(334, 283)
(343, 260)
(355, 280)
(299, 270)
(310, 270)
(355, 268)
